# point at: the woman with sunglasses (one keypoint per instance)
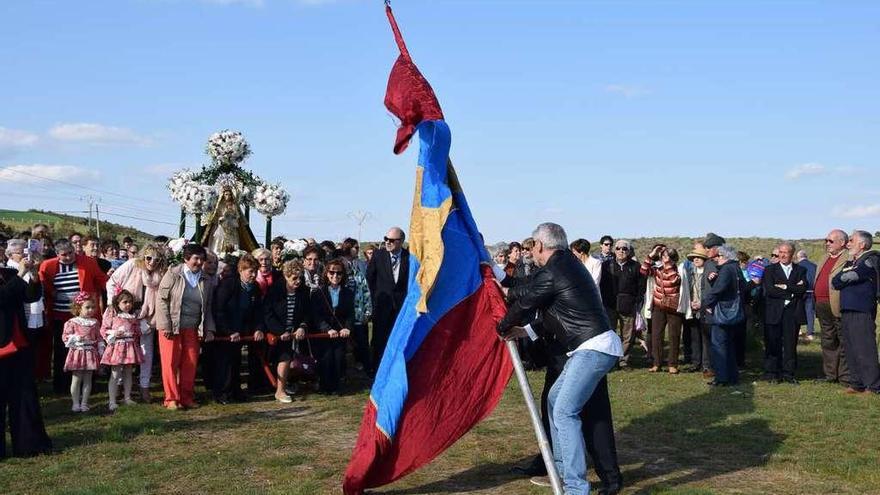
(141, 277)
(333, 309)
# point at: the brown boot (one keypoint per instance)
(145, 395)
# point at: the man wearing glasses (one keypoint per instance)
(828, 308)
(387, 276)
(607, 253)
(622, 286)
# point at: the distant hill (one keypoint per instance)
(12, 222)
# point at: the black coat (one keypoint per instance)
(567, 298)
(622, 287)
(227, 308)
(775, 297)
(387, 296)
(275, 309)
(325, 317)
(14, 293)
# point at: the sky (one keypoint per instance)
(629, 118)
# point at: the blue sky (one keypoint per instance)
(624, 117)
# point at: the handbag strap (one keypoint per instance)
(330, 306)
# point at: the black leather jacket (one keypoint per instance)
(565, 296)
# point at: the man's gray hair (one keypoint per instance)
(727, 252)
(551, 235)
(790, 245)
(841, 233)
(865, 237)
(629, 246)
(802, 255)
(63, 245)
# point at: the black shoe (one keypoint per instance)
(716, 383)
(612, 489)
(221, 400)
(791, 380)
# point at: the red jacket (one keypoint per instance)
(91, 280)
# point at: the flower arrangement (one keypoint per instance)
(227, 147)
(198, 192)
(271, 199)
(293, 249)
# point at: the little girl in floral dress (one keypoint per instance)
(81, 336)
(122, 330)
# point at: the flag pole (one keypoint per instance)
(543, 443)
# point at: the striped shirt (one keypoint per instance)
(66, 287)
(291, 309)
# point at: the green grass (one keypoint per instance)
(675, 436)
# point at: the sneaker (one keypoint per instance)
(673, 370)
(128, 402)
(84, 408)
(76, 408)
(113, 406)
(541, 481)
(284, 399)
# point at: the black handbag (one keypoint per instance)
(732, 312)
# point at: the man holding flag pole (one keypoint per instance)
(444, 368)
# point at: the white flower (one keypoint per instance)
(295, 246)
(227, 147)
(270, 200)
(198, 199)
(179, 182)
(177, 244)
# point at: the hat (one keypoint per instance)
(713, 240)
(698, 253)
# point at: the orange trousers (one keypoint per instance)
(179, 355)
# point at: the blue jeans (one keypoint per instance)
(724, 354)
(582, 371)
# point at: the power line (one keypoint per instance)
(127, 196)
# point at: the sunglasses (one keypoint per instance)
(148, 258)
(829, 241)
(389, 239)
(774, 255)
(606, 243)
(334, 273)
(621, 249)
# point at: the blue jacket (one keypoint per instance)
(857, 283)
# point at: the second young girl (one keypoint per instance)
(81, 336)
(122, 330)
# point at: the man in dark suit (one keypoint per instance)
(785, 284)
(387, 276)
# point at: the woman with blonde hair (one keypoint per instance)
(141, 276)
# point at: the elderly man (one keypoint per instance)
(785, 284)
(803, 260)
(388, 278)
(857, 283)
(621, 287)
(569, 313)
(828, 308)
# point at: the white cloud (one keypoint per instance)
(806, 169)
(627, 90)
(249, 3)
(38, 174)
(96, 134)
(13, 141)
(799, 171)
(860, 211)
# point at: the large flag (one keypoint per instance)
(444, 368)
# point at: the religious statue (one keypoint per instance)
(227, 228)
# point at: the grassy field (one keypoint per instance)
(675, 436)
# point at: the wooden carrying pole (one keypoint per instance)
(543, 443)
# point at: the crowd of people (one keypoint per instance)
(78, 305)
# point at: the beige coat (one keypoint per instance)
(834, 294)
(171, 298)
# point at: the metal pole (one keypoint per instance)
(182, 222)
(543, 443)
(97, 221)
(268, 231)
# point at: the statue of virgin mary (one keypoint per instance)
(227, 228)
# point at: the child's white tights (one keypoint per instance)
(80, 390)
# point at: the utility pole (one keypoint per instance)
(91, 200)
(97, 221)
(360, 217)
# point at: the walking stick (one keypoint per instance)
(543, 443)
